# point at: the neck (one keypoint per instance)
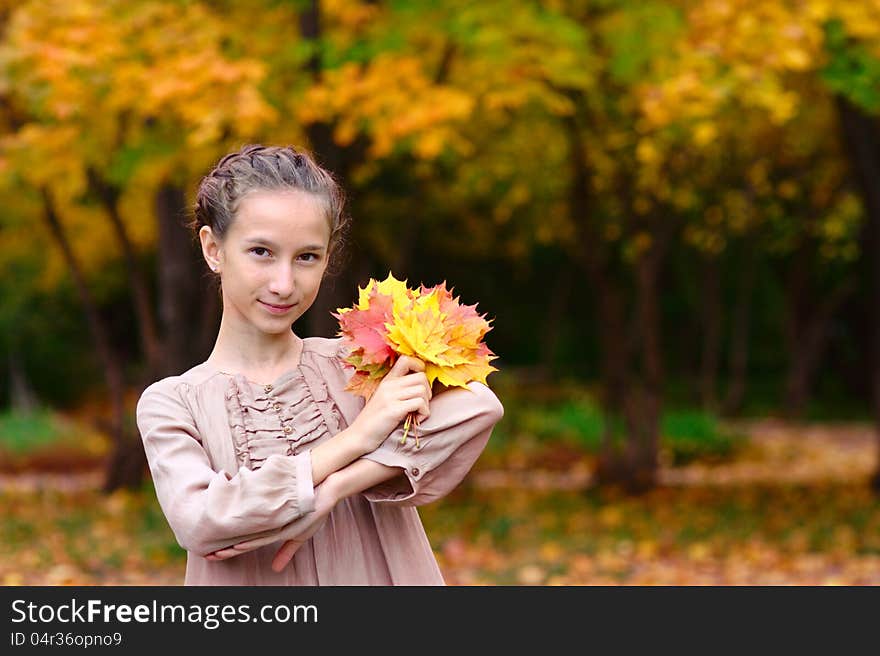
(241, 347)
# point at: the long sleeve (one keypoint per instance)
(206, 509)
(450, 441)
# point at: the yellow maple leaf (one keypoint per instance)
(425, 323)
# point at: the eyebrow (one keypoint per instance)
(271, 244)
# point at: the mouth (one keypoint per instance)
(277, 309)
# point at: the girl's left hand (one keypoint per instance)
(296, 532)
(285, 554)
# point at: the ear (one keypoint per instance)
(211, 248)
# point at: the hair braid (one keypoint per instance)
(255, 167)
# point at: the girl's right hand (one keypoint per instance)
(399, 393)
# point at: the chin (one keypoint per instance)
(280, 325)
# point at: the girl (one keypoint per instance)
(268, 471)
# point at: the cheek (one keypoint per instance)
(252, 272)
(247, 280)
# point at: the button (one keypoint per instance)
(244, 409)
(268, 388)
(415, 471)
(277, 406)
(288, 429)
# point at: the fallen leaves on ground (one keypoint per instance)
(684, 535)
(793, 509)
(56, 532)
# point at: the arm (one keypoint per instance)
(353, 479)
(336, 453)
(207, 509)
(398, 394)
(359, 476)
(451, 439)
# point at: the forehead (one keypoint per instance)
(283, 216)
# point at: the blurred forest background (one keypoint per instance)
(669, 208)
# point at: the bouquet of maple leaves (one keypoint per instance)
(391, 320)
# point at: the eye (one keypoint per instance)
(313, 255)
(258, 248)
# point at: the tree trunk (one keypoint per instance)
(643, 407)
(180, 290)
(339, 290)
(125, 467)
(739, 348)
(554, 318)
(612, 466)
(794, 325)
(631, 403)
(806, 351)
(143, 306)
(860, 138)
(632, 464)
(710, 356)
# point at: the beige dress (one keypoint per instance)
(231, 460)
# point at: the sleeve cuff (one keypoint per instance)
(398, 488)
(305, 488)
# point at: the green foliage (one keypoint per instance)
(48, 331)
(22, 433)
(852, 70)
(639, 35)
(125, 162)
(686, 434)
(697, 435)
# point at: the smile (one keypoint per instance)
(277, 309)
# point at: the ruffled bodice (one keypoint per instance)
(280, 418)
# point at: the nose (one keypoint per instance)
(282, 283)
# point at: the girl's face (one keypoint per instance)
(273, 258)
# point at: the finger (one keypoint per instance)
(425, 412)
(417, 379)
(224, 554)
(285, 554)
(399, 368)
(404, 365)
(414, 364)
(423, 380)
(295, 527)
(417, 383)
(419, 406)
(257, 542)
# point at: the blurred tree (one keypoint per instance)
(853, 73)
(555, 161)
(111, 100)
(837, 43)
(378, 109)
(620, 135)
(122, 101)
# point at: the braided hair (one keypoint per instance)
(268, 168)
